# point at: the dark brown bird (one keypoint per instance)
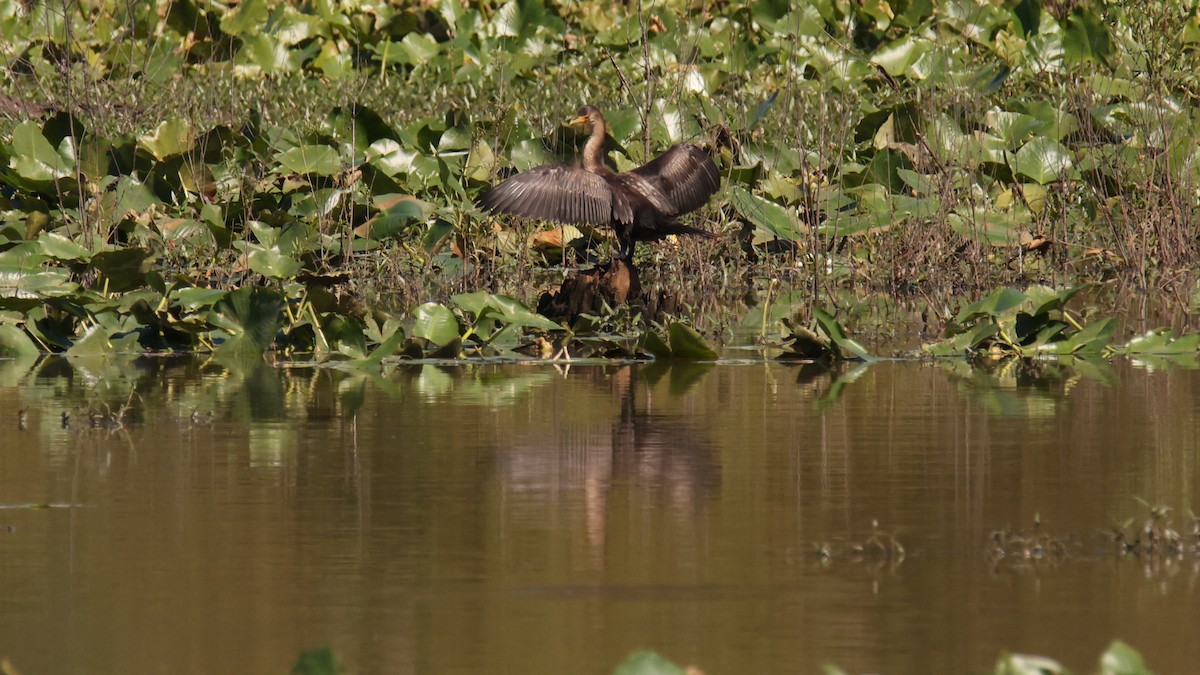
(639, 205)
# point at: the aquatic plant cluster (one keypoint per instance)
(179, 175)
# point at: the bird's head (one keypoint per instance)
(588, 114)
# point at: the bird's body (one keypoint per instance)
(639, 205)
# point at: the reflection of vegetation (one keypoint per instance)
(1118, 659)
(158, 156)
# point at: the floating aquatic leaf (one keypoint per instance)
(998, 303)
(686, 343)
(1121, 659)
(15, 343)
(34, 158)
(836, 334)
(1086, 38)
(252, 316)
(779, 221)
(320, 661)
(171, 137)
(435, 323)
(647, 663)
(654, 345)
(321, 160)
(1043, 159)
(57, 246)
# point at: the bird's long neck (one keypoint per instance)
(593, 150)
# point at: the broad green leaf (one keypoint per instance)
(252, 315)
(653, 344)
(93, 343)
(1043, 159)
(171, 137)
(1013, 128)
(1086, 38)
(57, 246)
(837, 335)
(647, 663)
(1121, 659)
(435, 323)
(34, 158)
(250, 16)
(15, 343)
(779, 221)
(321, 160)
(320, 661)
(988, 226)
(193, 298)
(686, 343)
(998, 303)
(897, 56)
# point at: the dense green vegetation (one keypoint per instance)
(180, 175)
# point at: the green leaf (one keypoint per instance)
(686, 343)
(435, 323)
(998, 303)
(321, 160)
(837, 335)
(252, 315)
(249, 17)
(1043, 159)
(653, 344)
(320, 661)
(1121, 659)
(504, 309)
(34, 158)
(780, 222)
(57, 246)
(15, 343)
(93, 343)
(1024, 664)
(1086, 38)
(647, 663)
(171, 137)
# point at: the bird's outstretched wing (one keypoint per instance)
(681, 179)
(564, 194)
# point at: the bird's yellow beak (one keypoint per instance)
(582, 119)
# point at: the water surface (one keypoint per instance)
(532, 519)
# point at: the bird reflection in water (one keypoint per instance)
(656, 462)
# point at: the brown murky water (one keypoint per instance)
(523, 519)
